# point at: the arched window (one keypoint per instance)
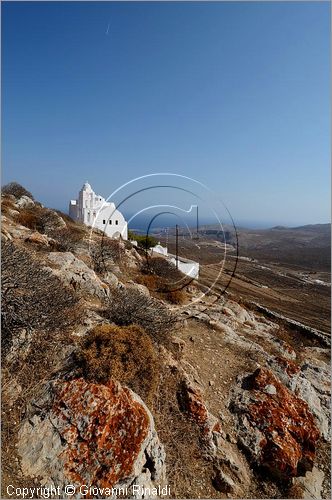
(116, 222)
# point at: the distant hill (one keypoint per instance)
(306, 246)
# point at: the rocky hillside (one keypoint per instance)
(114, 379)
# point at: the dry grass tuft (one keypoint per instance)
(149, 280)
(126, 354)
(30, 217)
(161, 267)
(177, 297)
(7, 205)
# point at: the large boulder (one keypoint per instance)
(51, 221)
(25, 202)
(193, 404)
(91, 434)
(311, 382)
(76, 273)
(38, 238)
(275, 426)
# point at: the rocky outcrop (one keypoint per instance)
(230, 472)
(24, 202)
(310, 486)
(88, 430)
(275, 427)
(38, 239)
(52, 220)
(76, 273)
(91, 434)
(10, 230)
(311, 382)
(193, 403)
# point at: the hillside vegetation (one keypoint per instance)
(114, 377)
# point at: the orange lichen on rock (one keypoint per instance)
(286, 423)
(290, 367)
(195, 407)
(104, 427)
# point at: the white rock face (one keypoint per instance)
(111, 279)
(270, 389)
(311, 484)
(76, 273)
(25, 202)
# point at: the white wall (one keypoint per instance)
(112, 222)
(159, 249)
(190, 268)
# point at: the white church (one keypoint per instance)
(93, 210)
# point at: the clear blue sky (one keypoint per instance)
(235, 95)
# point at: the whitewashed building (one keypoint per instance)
(93, 210)
(159, 249)
(186, 266)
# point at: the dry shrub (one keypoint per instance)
(156, 284)
(47, 221)
(68, 239)
(7, 206)
(126, 354)
(30, 217)
(149, 280)
(296, 491)
(161, 267)
(39, 218)
(15, 189)
(160, 275)
(32, 297)
(129, 306)
(177, 297)
(106, 253)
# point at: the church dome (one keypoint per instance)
(86, 186)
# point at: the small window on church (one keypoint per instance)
(116, 222)
(110, 222)
(104, 222)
